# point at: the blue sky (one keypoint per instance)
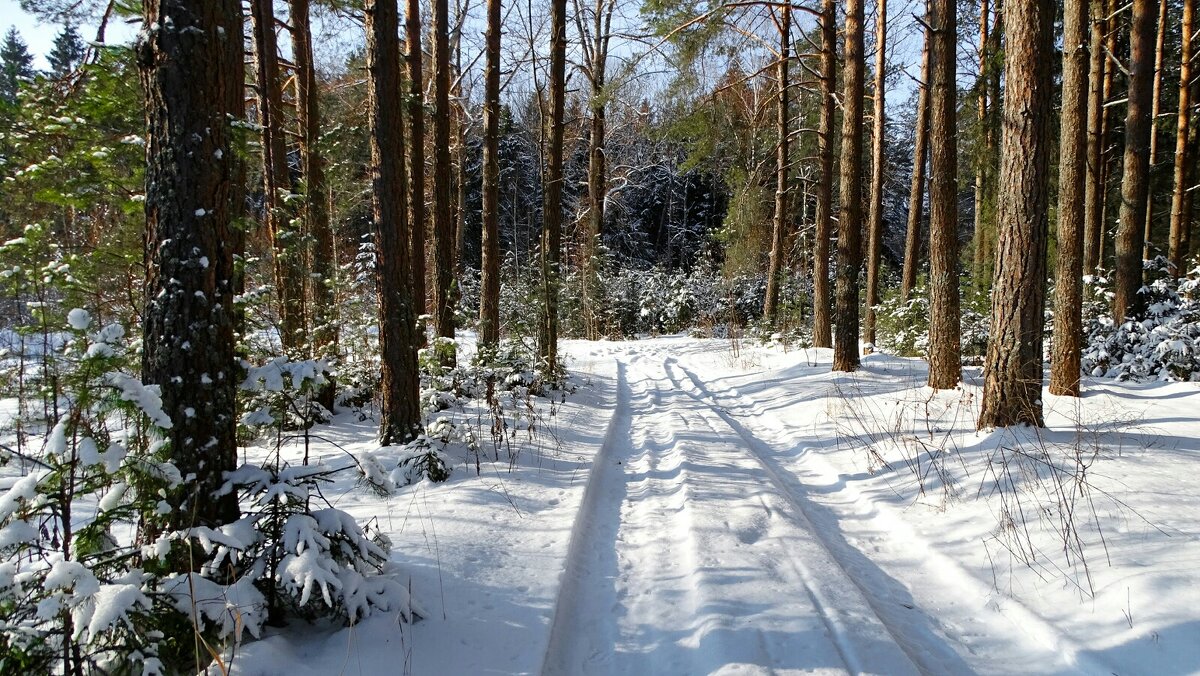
(40, 36)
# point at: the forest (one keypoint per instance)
(599, 336)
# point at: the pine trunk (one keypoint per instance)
(985, 241)
(945, 364)
(916, 195)
(399, 418)
(1155, 108)
(1012, 387)
(850, 225)
(552, 193)
(779, 229)
(285, 243)
(316, 206)
(192, 81)
(597, 164)
(416, 154)
(1127, 302)
(443, 181)
(875, 220)
(1072, 154)
(489, 305)
(1093, 216)
(822, 336)
(1184, 159)
(981, 159)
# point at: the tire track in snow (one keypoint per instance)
(1059, 647)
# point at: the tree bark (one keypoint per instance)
(399, 419)
(875, 219)
(1093, 217)
(981, 159)
(489, 304)
(190, 62)
(601, 34)
(443, 222)
(1184, 160)
(945, 364)
(985, 235)
(416, 154)
(552, 192)
(916, 196)
(1127, 302)
(316, 208)
(778, 254)
(285, 244)
(1068, 287)
(1155, 108)
(849, 244)
(822, 336)
(1012, 388)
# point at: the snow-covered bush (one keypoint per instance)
(73, 596)
(902, 326)
(1164, 344)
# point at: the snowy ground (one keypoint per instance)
(697, 509)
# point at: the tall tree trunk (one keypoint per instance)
(985, 241)
(316, 206)
(1093, 217)
(443, 221)
(945, 365)
(289, 281)
(1072, 159)
(981, 159)
(875, 219)
(1127, 302)
(822, 336)
(916, 195)
(779, 230)
(489, 304)
(601, 33)
(399, 419)
(1184, 159)
(1108, 158)
(1155, 108)
(849, 244)
(552, 192)
(1012, 387)
(191, 70)
(416, 154)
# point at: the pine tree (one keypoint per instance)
(443, 224)
(778, 255)
(916, 196)
(489, 303)
(1012, 386)
(67, 52)
(16, 64)
(849, 244)
(875, 219)
(822, 336)
(552, 195)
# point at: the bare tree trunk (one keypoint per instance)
(1012, 387)
(875, 219)
(1108, 158)
(916, 196)
(1068, 287)
(316, 208)
(778, 231)
(399, 418)
(849, 244)
(981, 160)
(192, 81)
(1155, 108)
(601, 34)
(289, 282)
(1093, 217)
(985, 232)
(489, 303)
(822, 336)
(416, 155)
(1127, 302)
(443, 223)
(945, 364)
(1184, 159)
(552, 193)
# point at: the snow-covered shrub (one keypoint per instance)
(283, 394)
(902, 326)
(1164, 344)
(73, 598)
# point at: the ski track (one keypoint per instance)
(689, 555)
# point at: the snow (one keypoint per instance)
(79, 319)
(695, 509)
